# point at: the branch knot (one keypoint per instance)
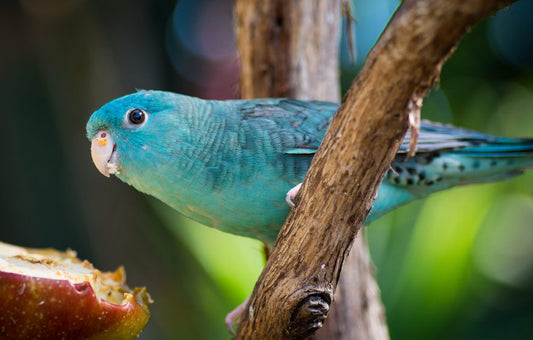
(309, 315)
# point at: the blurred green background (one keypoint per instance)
(457, 265)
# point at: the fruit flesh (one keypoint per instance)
(52, 264)
(48, 294)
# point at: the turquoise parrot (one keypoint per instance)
(229, 164)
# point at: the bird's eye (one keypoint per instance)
(136, 116)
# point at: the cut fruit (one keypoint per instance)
(48, 294)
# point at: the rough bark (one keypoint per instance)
(357, 312)
(295, 290)
(290, 49)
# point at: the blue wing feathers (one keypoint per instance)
(501, 147)
(437, 137)
(311, 119)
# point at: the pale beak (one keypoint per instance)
(103, 153)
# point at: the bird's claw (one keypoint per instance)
(291, 194)
(234, 315)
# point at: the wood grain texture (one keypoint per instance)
(286, 48)
(357, 311)
(302, 60)
(295, 290)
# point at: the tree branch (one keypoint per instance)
(294, 292)
(289, 48)
(305, 66)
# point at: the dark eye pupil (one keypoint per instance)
(137, 116)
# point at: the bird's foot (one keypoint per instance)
(235, 314)
(291, 194)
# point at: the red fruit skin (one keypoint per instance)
(40, 308)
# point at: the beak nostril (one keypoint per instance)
(103, 135)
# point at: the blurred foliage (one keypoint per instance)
(457, 265)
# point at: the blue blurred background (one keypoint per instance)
(457, 265)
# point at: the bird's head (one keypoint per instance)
(129, 134)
